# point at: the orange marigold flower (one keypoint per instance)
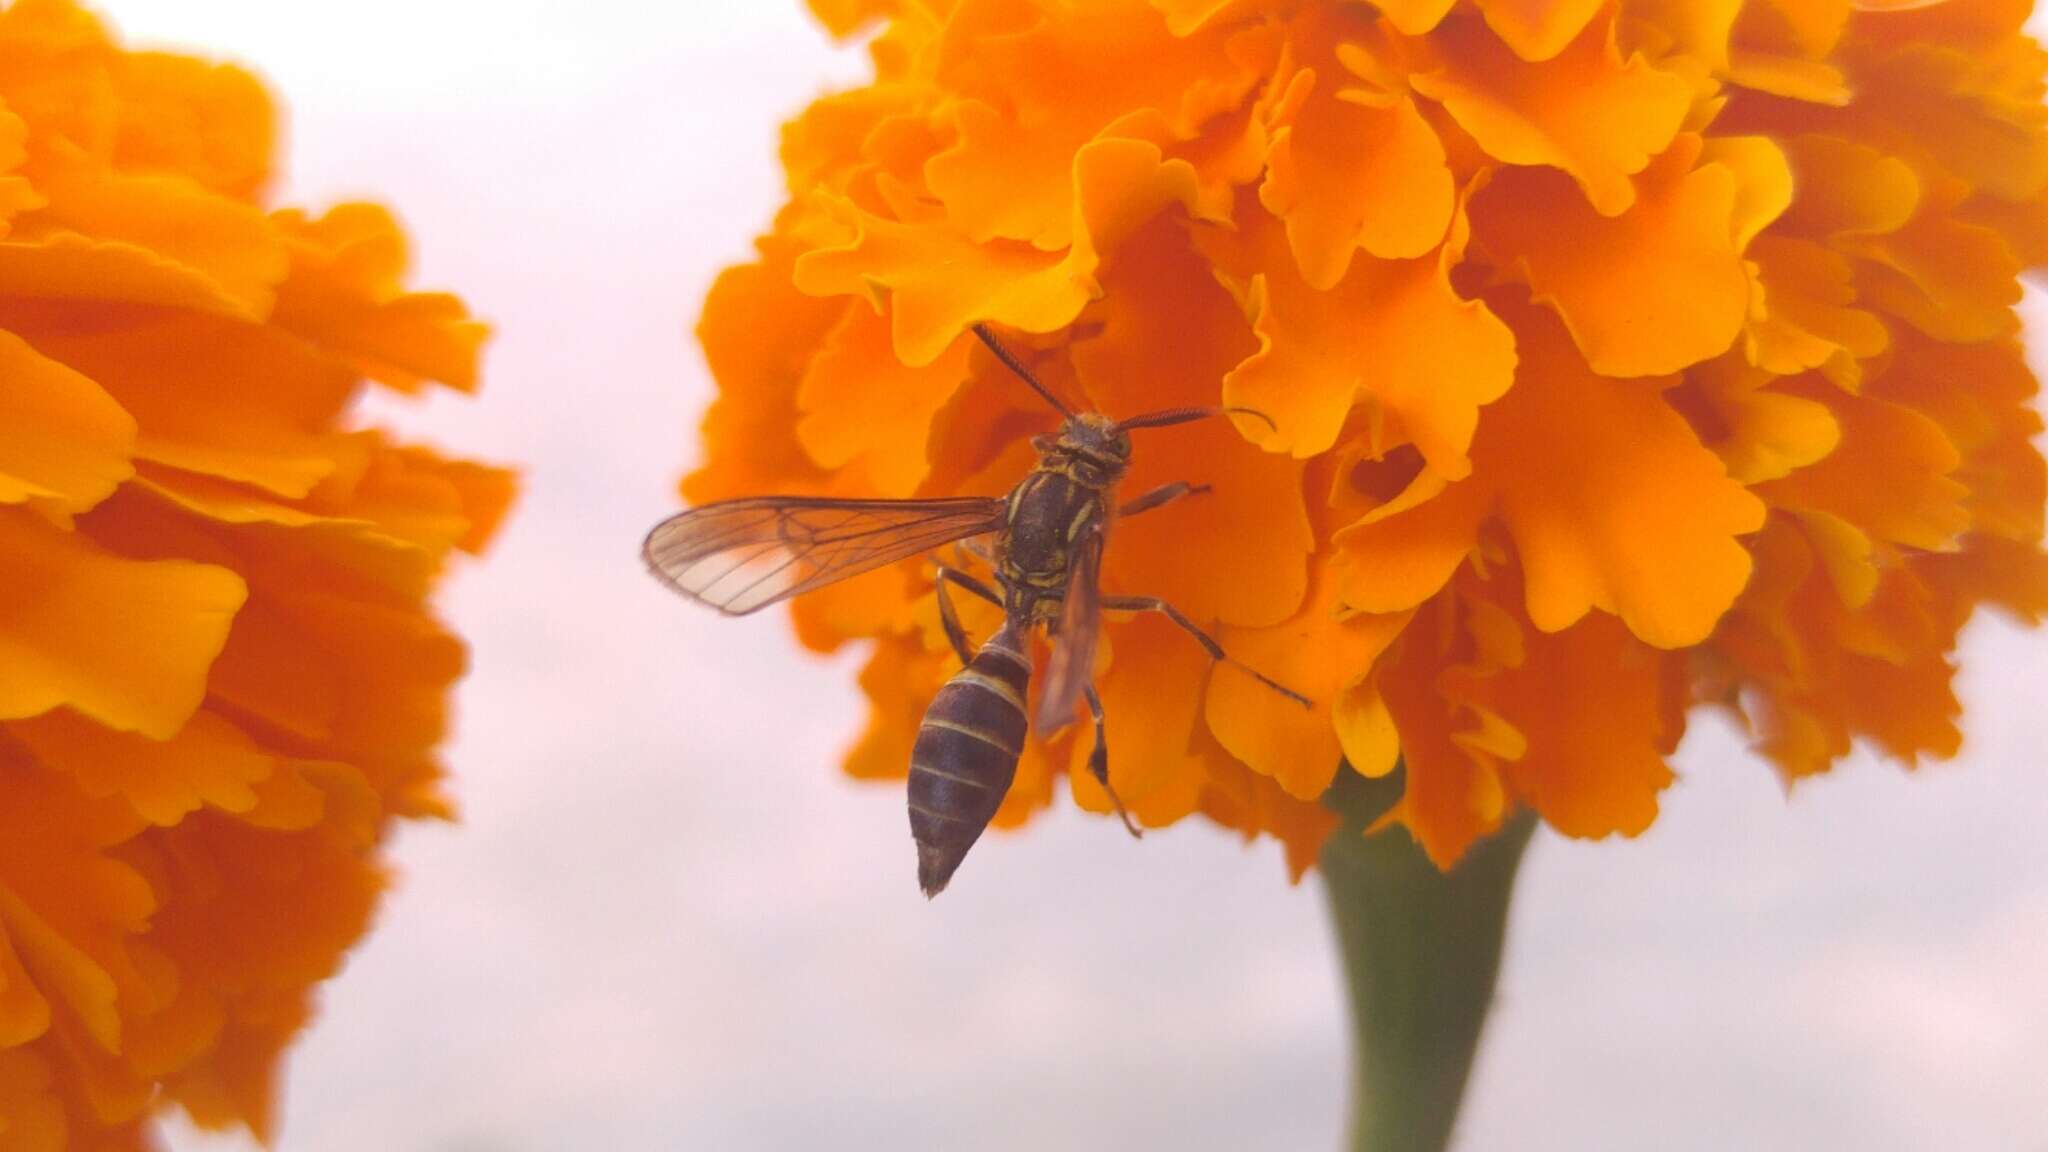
(1620, 357)
(219, 682)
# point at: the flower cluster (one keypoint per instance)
(219, 683)
(1620, 358)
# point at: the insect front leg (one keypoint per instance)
(1098, 761)
(1208, 642)
(949, 619)
(1160, 497)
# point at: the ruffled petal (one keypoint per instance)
(937, 283)
(1168, 332)
(64, 443)
(1587, 112)
(125, 642)
(1393, 335)
(1612, 500)
(345, 294)
(1352, 168)
(1039, 89)
(1890, 476)
(230, 246)
(1600, 711)
(1537, 30)
(1612, 278)
(860, 403)
(1317, 654)
(208, 762)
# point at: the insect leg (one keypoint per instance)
(1215, 650)
(948, 618)
(1098, 761)
(1160, 497)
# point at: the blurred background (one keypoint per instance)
(666, 920)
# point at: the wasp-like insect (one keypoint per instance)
(740, 556)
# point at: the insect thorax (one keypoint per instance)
(1048, 511)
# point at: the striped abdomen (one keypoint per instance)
(966, 755)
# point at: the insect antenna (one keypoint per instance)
(1171, 416)
(1017, 366)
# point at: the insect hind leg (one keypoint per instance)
(1098, 762)
(1208, 642)
(949, 619)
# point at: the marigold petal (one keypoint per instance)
(1600, 711)
(345, 294)
(355, 544)
(1537, 30)
(17, 195)
(1759, 432)
(1406, 550)
(1954, 281)
(1790, 76)
(1992, 570)
(1889, 476)
(1043, 88)
(212, 123)
(263, 672)
(1346, 175)
(758, 333)
(272, 393)
(1848, 187)
(843, 18)
(1153, 696)
(33, 1114)
(937, 283)
(1366, 730)
(125, 642)
(64, 443)
(1611, 278)
(64, 266)
(1452, 792)
(24, 1014)
(1392, 333)
(1948, 106)
(66, 906)
(1697, 28)
(1586, 111)
(1187, 16)
(233, 246)
(1414, 17)
(208, 762)
(1763, 181)
(1168, 332)
(1314, 653)
(1981, 395)
(860, 403)
(1804, 295)
(1612, 500)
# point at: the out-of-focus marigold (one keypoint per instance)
(1621, 357)
(219, 683)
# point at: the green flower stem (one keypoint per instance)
(1421, 951)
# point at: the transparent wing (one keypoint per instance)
(1073, 646)
(740, 556)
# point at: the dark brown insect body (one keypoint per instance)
(966, 754)
(1046, 540)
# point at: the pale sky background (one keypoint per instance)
(668, 923)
